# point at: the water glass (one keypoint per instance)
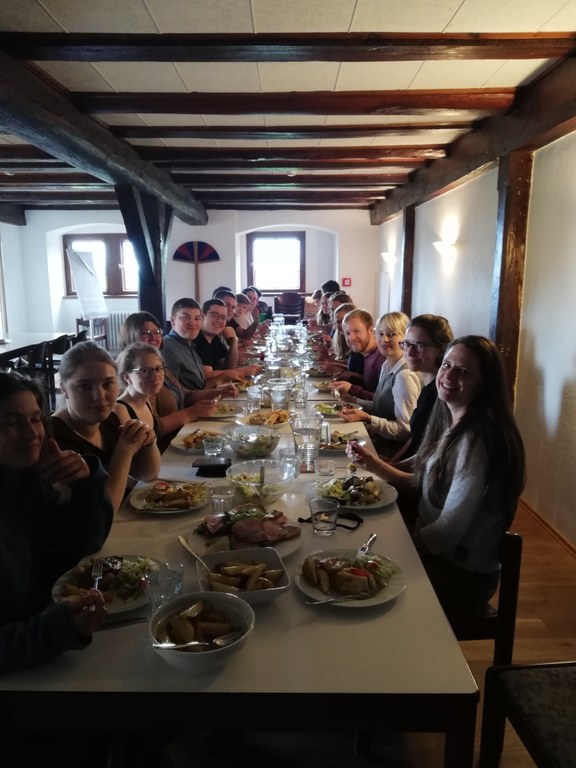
(300, 397)
(223, 496)
(325, 467)
(280, 397)
(254, 396)
(213, 446)
(165, 583)
(324, 514)
(306, 432)
(288, 456)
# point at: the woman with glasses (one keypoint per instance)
(388, 409)
(470, 471)
(89, 421)
(143, 327)
(141, 370)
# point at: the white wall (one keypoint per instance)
(339, 244)
(457, 284)
(16, 301)
(546, 392)
(391, 239)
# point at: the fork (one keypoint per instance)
(97, 570)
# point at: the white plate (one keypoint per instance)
(395, 586)
(138, 500)
(178, 441)
(284, 548)
(388, 494)
(117, 605)
(225, 415)
(331, 415)
(244, 419)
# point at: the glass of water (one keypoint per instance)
(165, 583)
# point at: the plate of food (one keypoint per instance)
(165, 497)
(324, 386)
(123, 581)
(249, 525)
(265, 418)
(358, 492)
(332, 573)
(318, 373)
(339, 440)
(329, 410)
(224, 410)
(192, 441)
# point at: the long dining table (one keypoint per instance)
(326, 668)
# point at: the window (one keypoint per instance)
(114, 261)
(276, 260)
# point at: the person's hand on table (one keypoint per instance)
(226, 390)
(349, 413)
(203, 409)
(87, 611)
(341, 386)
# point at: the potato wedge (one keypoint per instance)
(273, 575)
(214, 628)
(254, 576)
(218, 586)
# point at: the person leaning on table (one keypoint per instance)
(470, 469)
(54, 511)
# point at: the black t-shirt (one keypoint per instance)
(212, 353)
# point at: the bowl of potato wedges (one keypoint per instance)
(257, 575)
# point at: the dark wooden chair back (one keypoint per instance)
(289, 304)
(498, 622)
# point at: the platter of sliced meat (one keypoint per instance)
(250, 525)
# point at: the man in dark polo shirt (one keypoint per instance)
(217, 344)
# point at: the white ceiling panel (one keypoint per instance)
(142, 76)
(201, 16)
(219, 76)
(505, 15)
(302, 15)
(377, 76)
(403, 15)
(80, 77)
(100, 16)
(26, 16)
(298, 76)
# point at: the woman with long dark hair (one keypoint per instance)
(54, 511)
(470, 469)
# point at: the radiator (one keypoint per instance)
(115, 321)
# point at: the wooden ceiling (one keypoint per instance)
(243, 106)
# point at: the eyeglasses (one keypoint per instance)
(187, 318)
(151, 334)
(417, 346)
(217, 316)
(150, 371)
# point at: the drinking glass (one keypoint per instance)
(165, 583)
(324, 514)
(223, 496)
(306, 432)
(280, 397)
(213, 446)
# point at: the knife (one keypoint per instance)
(363, 550)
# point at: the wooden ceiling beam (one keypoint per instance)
(241, 155)
(285, 133)
(548, 103)
(40, 115)
(352, 46)
(12, 214)
(298, 180)
(468, 103)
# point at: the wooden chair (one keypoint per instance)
(497, 623)
(538, 701)
(291, 305)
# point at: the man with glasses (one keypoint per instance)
(217, 344)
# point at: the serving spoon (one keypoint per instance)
(217, 642)
(194, 554)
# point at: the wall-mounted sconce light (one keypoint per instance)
(389, 259)
(449, 253)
